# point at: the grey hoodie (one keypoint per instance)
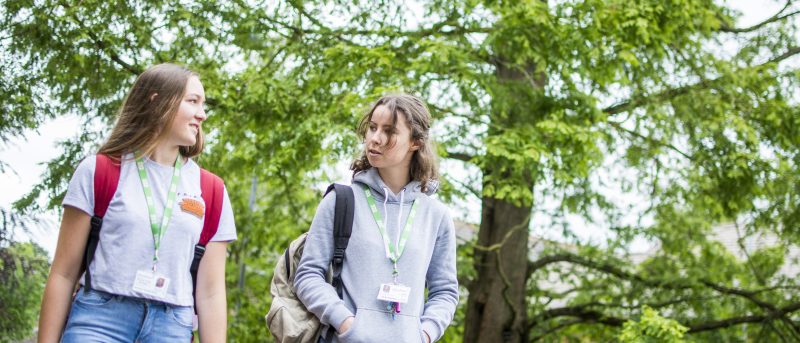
(429, 256)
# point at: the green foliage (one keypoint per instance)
(23, 272)
(652, 328)
(564, 107)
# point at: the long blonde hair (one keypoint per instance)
(148, 111)
(423, 166)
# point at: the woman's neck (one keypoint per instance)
(165, 155)
(395, 178)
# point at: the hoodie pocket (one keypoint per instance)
(378, 326)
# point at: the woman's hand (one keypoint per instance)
(346, 325)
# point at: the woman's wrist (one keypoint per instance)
(345, 325)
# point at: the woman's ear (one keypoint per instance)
(415, 145)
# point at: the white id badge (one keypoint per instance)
(151, 283)
(394, 293)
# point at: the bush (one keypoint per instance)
(652, 328)
(23, 273)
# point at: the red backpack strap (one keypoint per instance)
(106, 179)
(212, 189)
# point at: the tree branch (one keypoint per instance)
(638, 101)
(323, 30)
(650, 139)
(665, 284)
(651, 305)
(562, 325)
(774, 18)
(603, 267)
(468, 187)
(594, 316)
(435, 30)
(299, 7)
(473, 119)
(665, 95)
(103, 46)
(789, 53)
(718, 324)
(459, 156)
(751, 295)
(581, 311)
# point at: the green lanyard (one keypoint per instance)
(392, 252)
(158, 230)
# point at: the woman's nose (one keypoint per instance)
(375, 138)
(201, 114)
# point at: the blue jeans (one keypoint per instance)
(103, 317)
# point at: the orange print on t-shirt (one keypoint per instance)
(193, 206)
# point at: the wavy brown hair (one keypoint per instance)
(423, 162)
(148, 111)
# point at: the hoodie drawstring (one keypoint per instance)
(386, 211)
(399, 214)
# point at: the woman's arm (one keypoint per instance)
(309, 282)
(64, 272)
(442, 283)
(212, 305)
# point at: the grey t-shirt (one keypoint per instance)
(126, 241)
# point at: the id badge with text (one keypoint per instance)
(151, 283)
(394, 293)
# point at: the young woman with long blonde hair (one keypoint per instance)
(138, 286)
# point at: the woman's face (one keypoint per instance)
(191, 114)
(387, 145)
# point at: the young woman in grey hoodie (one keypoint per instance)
(403, 241)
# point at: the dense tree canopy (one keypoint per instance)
(554, 108)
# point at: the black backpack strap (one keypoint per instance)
(288, 261)
(199, 251)
(91, 247)
(342, 228)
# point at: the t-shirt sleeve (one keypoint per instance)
(227, 228)
(80, 192)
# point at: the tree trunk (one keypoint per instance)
(496, 308)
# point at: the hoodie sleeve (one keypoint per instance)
(442, 282)
(310, 285)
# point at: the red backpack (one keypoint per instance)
(106, 179)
